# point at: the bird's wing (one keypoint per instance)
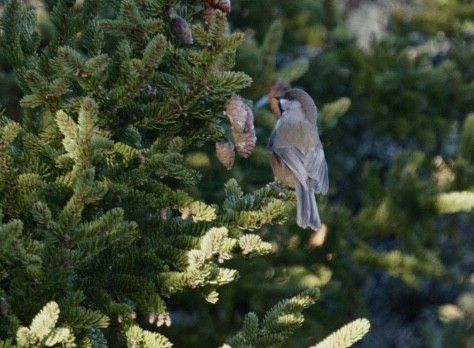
(317, 169)
(292, 157)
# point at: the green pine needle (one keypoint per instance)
(347, 335)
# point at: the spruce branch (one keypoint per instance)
(139, 338)
(83, 141)
(94, 38)
(10, 233)
(293, 71)
(39, 86)
(466, 142)
(83, 318)
(94, 339)
(251, 211)
(9, 130)
(43, 330)
(70, 131)
(203, 267)
(86, 191)
(30, 188)
(229, 81)
(7, 344)
(20, 36)
(346, 336)
(131, 24)
(110, 228)
(278, 323)
(199, 211)
(455, 202)
(252, 243)
(69, 20)
(408, 267)
(155, 51)
(71, 61)
(216, 242)
(332, 112)
(270, 45)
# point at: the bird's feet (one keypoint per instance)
(275, 187)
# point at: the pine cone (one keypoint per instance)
(248, 119)
(225, 153)
(223, 5)
(182, 30)
(276, 89)
(243, 131)
(237, 112)
(245, 142)
(208, 14)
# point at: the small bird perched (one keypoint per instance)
(297, 156)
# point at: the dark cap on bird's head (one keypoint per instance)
(287, 99)
(294, 94)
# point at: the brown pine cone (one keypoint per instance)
(248, 119)
(243, 131)
(207, 14)
(245, 142)
(182, 30)
(223, 5)
(225, 153)
(236, 110)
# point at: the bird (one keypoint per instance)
(296, 154)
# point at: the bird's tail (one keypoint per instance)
(307, 214)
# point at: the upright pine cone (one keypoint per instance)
(223, 5)
(276, 89)
(225, 153)
(182, 30)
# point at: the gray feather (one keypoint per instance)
(317, 170)
(307, 214)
